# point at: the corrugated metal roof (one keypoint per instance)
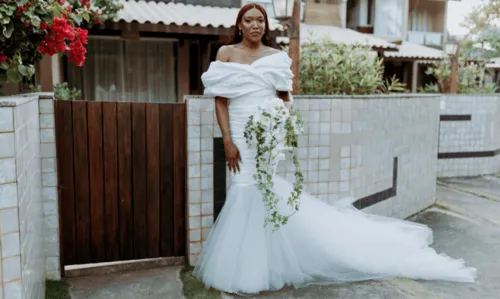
(411, 50)
(342, 35)
(180, 14)
(494, 63)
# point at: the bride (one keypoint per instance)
(321, 243)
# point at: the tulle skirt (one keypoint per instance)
(321, 244)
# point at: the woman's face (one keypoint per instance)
(253, 25)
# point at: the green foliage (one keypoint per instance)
(63, 92)
(328, 68)
(483, 26)
(25, 24)
(469, 77)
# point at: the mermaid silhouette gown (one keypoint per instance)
(321, 243)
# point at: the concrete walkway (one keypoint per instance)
(466, 224)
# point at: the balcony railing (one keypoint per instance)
(425, 38)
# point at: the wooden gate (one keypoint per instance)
(121, 173)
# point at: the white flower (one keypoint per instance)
(265, 120)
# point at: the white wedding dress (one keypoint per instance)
(321, 243)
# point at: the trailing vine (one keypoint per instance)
(274, 131)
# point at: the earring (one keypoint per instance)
(239, 32)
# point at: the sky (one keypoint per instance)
(457, 10)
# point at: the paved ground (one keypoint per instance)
(466, 223)
(159, 283)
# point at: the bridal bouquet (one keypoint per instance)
(274, 130)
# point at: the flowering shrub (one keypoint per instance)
(274, 131)
(30, 29)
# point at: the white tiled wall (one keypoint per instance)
(21, 211)
(347, 150)
(49, 186)
(481, 133)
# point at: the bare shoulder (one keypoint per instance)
(270, 50)
(224, 53)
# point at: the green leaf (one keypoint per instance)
(76, 18)
(24, 70)
(86, 16)
(8, 30)
(13, 76)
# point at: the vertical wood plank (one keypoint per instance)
(124, 142)
(166, 121)
(180, 141)
(81, 170)
(96, 176)
(139, 179)
(110, 154)
(64, 146)
(153, 178)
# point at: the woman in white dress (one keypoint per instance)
(321, 243)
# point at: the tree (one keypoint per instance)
(30, 29)
(483, 25)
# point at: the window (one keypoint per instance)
(129, 71)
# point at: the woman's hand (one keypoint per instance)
(232, 155)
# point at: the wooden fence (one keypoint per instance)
(121, 173)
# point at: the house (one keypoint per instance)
(155, 52)
(388, 26)
(421, 22)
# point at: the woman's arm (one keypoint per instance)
(222, 113)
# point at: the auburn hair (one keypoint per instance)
(236, 37)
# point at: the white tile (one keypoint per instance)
(49, 179)
(47, 150)
(13, 290)
(207, 170)
(207, 196)
(7, 170)
(207, 183)
(195, 235)
(6, 119)
(10, 245)
(194, 158)
(194, 144)
(207, 157)
(7, 145)
(9, 220)
(207, 208)
(48, 164)
(49, 193)
(46, 106)
(194, 132)
(207, 220)
(194, 171)
(207, 144)
(194, 248)
(12, 268)
(194, 210)
(194, 222)
(194, 197)
(47, 135)
(194, 184)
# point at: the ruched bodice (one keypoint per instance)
(248, 87)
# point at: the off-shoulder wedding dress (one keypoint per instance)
(321, 243)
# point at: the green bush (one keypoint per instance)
(469, 77)
(327, 68)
